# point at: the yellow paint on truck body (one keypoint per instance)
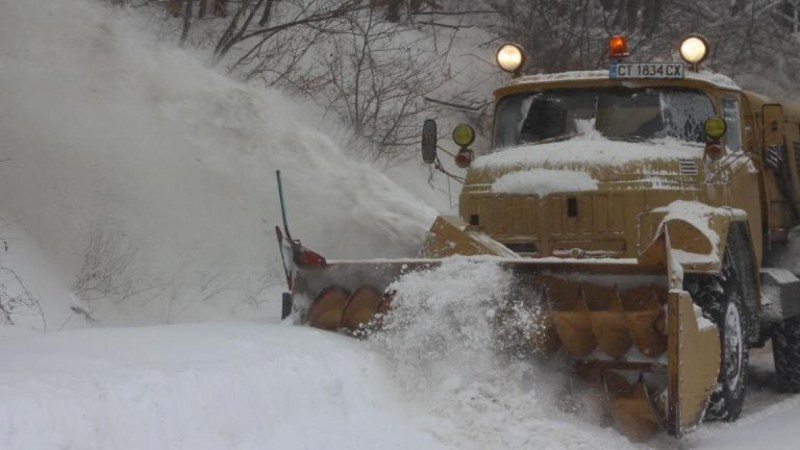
(617, 219)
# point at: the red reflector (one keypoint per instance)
(714, 150)
(464, 159)
(306, 257)
(618, 47)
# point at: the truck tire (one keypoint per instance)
(786, 352)
(724, 305)
(728, 396)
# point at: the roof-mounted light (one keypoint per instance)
(618, 47)
(511, 58)
(694, 49)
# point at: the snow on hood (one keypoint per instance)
(588, 150)
(542, 182)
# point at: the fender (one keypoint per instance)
(697, 238)
(698, 233)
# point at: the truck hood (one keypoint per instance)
(583, 164)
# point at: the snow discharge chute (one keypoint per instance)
(627, 326)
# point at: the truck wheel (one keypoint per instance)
(728, 313)
(786, 352)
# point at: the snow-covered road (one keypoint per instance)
(268, 385)
(239, 385)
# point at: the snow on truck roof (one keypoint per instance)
(716, 79)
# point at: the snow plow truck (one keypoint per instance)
(645, 211)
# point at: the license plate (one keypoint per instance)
(668, 71)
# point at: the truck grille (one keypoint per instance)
(565, 215)
(688, 167)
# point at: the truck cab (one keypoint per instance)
(580, 164)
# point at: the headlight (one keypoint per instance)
(715, 127)
(463, 135)
(694, 49)
(510, 58)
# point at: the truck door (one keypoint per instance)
(743, 187)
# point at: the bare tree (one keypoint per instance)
(788, 14)
(569, 35)
(377, 75)
(254, 22)
(110, 269)
(219, 7)
(16, 302)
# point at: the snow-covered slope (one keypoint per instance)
(154, 160)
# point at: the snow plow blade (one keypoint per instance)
(629, 331)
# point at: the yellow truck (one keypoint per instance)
(646, 212)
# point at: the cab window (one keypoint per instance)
(730, 112)
(618, 113)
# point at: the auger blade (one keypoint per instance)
(326, 311)
(631, 407)
(361, 308)
(572, 319)
(644, 316)
(608, 320)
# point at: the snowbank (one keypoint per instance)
(215, 386)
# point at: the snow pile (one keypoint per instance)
(138, 154)
(231, 386)
(442, 349)
(586, 151)
(543, 182)
(444, 316)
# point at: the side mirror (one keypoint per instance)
(429, 137)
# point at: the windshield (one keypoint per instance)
(616, 113)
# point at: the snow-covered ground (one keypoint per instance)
(264, 385)
(137, 168)
(215, 386)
